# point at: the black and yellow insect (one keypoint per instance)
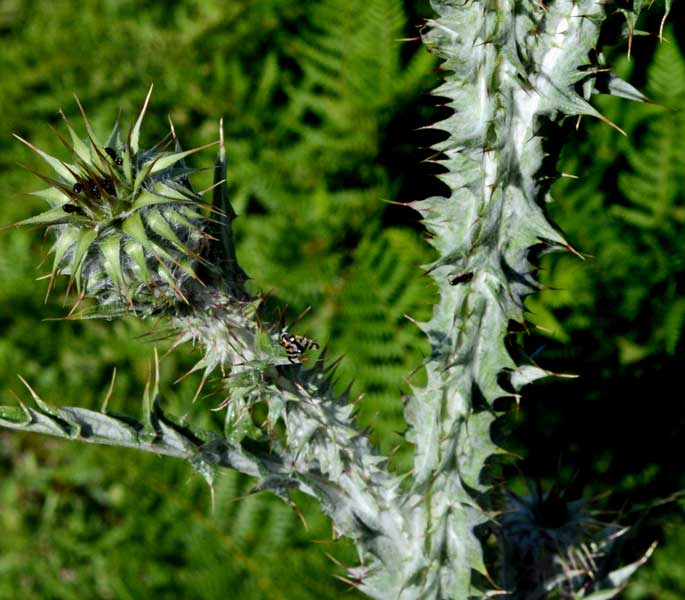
(296, 345)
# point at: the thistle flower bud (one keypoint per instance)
(130, 230)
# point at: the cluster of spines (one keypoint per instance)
(130, 229)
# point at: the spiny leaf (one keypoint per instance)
(162, 228)
(165, 161)
(114, 140)
(110, 247)
(58, 166)
(146, 198)
(134, 227)
(54, 196)
(86, 237)
(135, 250)
(81, 150)
(134, 135)
(52, 216)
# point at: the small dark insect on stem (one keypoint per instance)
(72, 209)
(114, 156)
(463, 278)
(108, 186)
(94, 189)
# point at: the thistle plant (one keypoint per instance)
(132, 234)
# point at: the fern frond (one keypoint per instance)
(658, 165)
(370, 328)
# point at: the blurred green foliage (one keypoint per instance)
(664, 579)
(320, 100)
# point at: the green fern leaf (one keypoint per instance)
(370, 327)
(658, 165)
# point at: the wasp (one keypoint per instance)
(296, 345)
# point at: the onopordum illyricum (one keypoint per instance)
(132, 233)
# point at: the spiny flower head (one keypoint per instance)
(129, 228)
(551, 542)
